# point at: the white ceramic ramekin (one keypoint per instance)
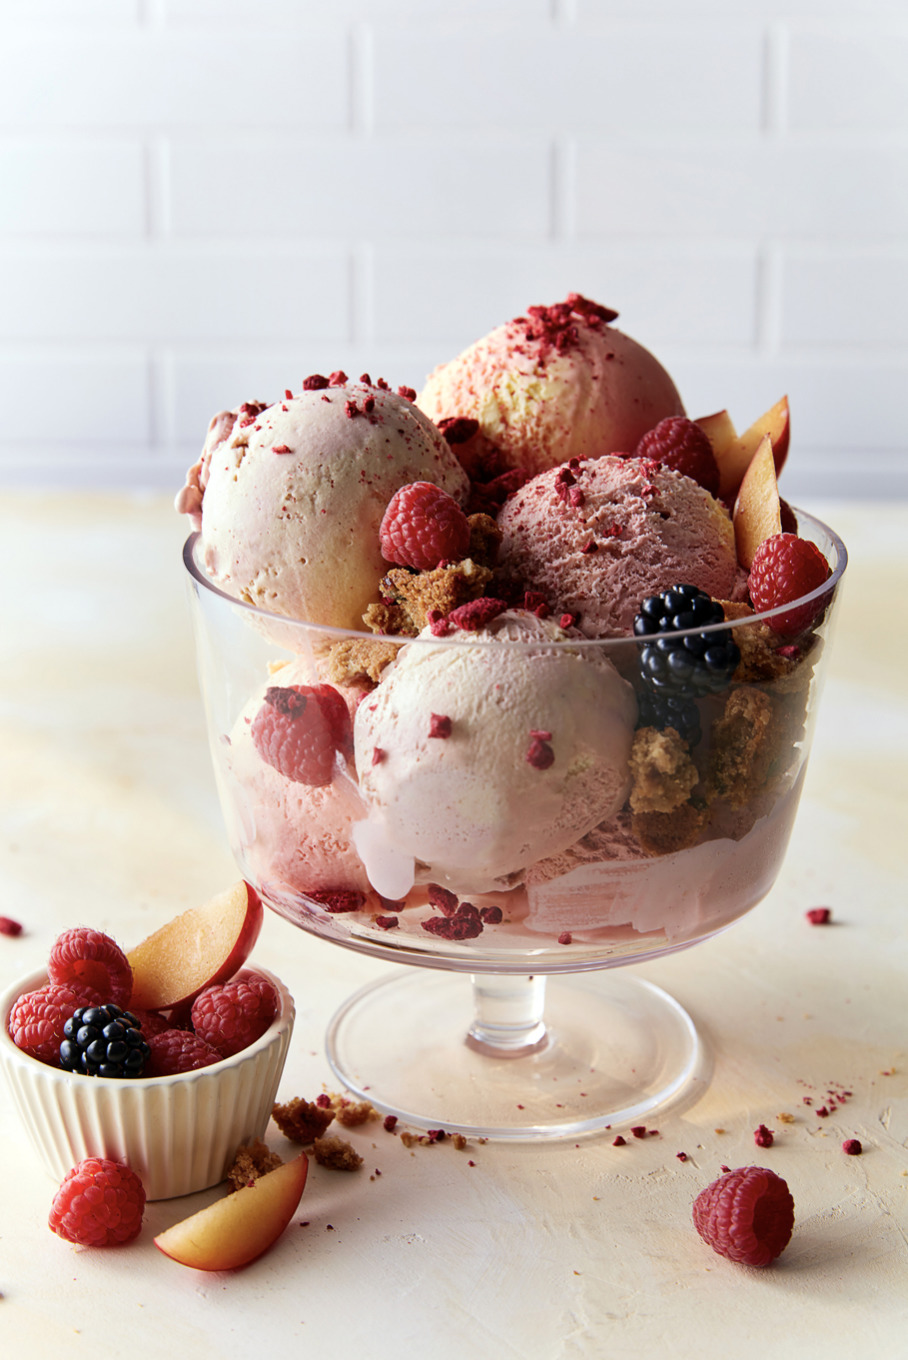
(179, 1134)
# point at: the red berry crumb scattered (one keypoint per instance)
(639, 1130)
(618, 1141)
(819, 916)
(565, 937)
(299, 729)
(442, 899)
(178, 1050)
(37, 1018)
(784, 569)
(853, 1147)
(680, 444)
(423, 526)
(746, 1215)
(86, 958)
(390, 1122)
(440, 725)
(99, 1204)
(232, 1015)
(338, 900)
(9, 927)
(764, 1137)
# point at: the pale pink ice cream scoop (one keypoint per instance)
(289, 497)
(555, 384)
(597, 537)
(480, 753)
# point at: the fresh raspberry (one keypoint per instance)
(784, 568)
(423, 526)
(99, 1204)
(178, 1050)
(746, 1215)
(298, 729)
(679, 443)
(232, 1015)
(85, 957)
(37, 1018)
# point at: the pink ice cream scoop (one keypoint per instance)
(555, 384)
(477, 758)
(289, 497)
(597, 537)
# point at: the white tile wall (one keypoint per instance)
(203, 200)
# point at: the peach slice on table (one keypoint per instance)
(758, 510)
(719, 429)
(236, 1230)
(204, 945)
(736, 458)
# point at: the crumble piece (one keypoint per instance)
(662, 770)
(485, 537)
(417, 593)
(252, 1161)
(743, 744)
(336, 1155)
(661, 833)
(302, 1121)
(359, 661)
(766, 655)
(352, 1113)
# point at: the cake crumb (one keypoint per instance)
(302, 1121)
(358, 661)
(743, 746)
(352, 1113)
(409, 597)
(252, 1160)
(662, 770)
(336, 1154)
(662, 833)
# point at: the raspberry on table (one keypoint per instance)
(99, 1204)
(103, 1041)
(680, 444)
(784, 569)
(298, 730)
(37, 1019)
(178, 1050)
(84, 957)
(746, 1215)
(232, 1015)
(423, 526)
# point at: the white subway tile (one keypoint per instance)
(849, 79)
(297, 14)
(154, 78)
(61, 397)
(400, 186)
(38, 13)
(155, 295)
(730, 11)
(59, 187)
(834, 298)
(556, 78)
(456, 295)
(720, 187)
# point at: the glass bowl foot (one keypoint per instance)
(614, 1051)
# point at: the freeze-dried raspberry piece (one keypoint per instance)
(746, 1215)
(442, 899)
(298, 731)
(784, 569)
(178, 1050)
(680, 444)
(83, 957)
(232, 1015)
(10, 927)
(475, 614)
(423, 526)
(37, 1018)
(99, 1204)
(338, 900)
(457, 927)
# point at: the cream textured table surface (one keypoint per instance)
(108, 817)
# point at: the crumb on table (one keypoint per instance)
(336, 1154)
(302, 1121)
(252, 1161)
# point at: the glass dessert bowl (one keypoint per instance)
(511, 800)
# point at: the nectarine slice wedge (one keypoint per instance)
(237, 1229)
(735, 460)
(758, 510)
(204, 945)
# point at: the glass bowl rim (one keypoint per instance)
(568, 644)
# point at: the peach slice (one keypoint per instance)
(204, 945)
(735, 459)
(720, 430)
(235, 1230)
(758, 510)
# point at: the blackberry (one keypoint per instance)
(103, 1041)
(670, 710)
(691, 666)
